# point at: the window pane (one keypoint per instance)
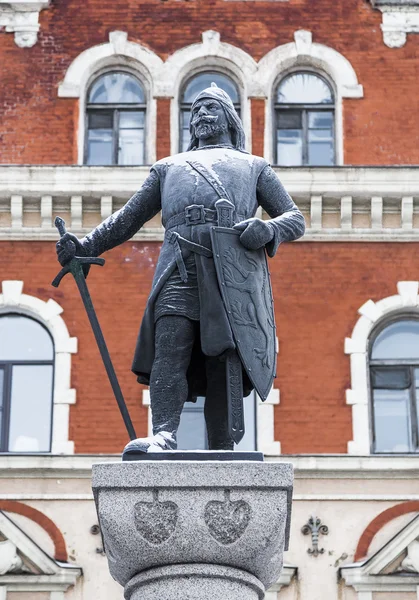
(185, 135)
(131, 147)
(30, 410)
(102, 119)
(304, 88)
(131, 119)
(290, 119)
(290, 147)
(99, 147)
(399, 340)
(320, 138)
(192, 433)
(416, 376)
(320, 119)
(116, 88)
(22, 338)
(1, 403)
(204, 80)
(320, 153)
(392, 421)
(248, 442)
(388, 378)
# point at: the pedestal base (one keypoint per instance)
(194, 530)
(194, 582)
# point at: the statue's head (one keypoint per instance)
(213, 113)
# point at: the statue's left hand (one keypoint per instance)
(256, 233)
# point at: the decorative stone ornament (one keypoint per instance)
(411, 562)
(315, 527)
(10, 561)
(22, 18)
(177, 529)
(399, 18)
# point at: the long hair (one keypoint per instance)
(235, 127)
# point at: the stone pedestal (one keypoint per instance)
(192, 530)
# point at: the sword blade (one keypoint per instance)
(77, 271)
(235, 397)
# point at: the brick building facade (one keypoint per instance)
(327, 92)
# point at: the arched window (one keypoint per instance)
(394, 372)
(116, 109)
(193, 87)
(305, 129)
(26, 385)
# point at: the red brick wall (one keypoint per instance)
(318, 288)
(258, 126)
(163, 128)
(39, 127)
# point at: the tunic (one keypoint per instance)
(172, 186)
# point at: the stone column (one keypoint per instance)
(194, 530)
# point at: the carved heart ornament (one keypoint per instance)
(227, 520)
(156, 521)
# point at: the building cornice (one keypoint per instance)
(400, 17)
(371, 204)
(329, 466)
(21, 17)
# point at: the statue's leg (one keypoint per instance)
(216, 412)
(174, 339)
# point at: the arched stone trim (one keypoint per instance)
(117, 53)
(378, 523)
(357, 347)
(60, 550)
(48, 313)
(210, 54)
(303, 53)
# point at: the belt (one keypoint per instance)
(195, 214)
(177, 241)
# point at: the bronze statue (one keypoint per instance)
(208, 328)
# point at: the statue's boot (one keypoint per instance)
(163, 440)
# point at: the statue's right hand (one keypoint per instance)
(67, 248)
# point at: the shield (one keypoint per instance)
(245, 286)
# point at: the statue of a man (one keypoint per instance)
(185, 333)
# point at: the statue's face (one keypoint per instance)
(209, 119)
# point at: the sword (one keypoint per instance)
(75, 267)
(234, 377)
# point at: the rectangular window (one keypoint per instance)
(320, 138)
(31, 406)
(290, 138)
(100, 138)
(131, 138)
(392, 420)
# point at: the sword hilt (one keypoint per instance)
(60, 225)
(76, 260)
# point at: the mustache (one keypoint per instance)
(208, 119)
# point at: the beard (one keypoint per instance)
(207, 127)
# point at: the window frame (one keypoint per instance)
(186, 106)
(7, 367)
(305, 109)
(413, 400)
(116, 109)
